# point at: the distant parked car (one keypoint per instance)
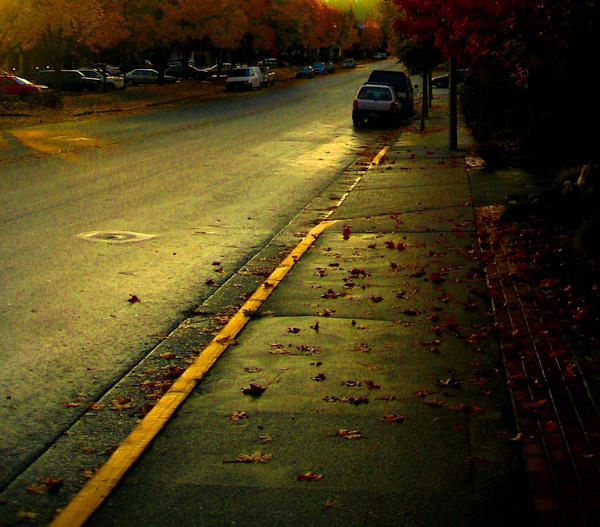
(442, 81)
(270, 62)
(376, 102)
(13, 86)
(111, 82)
(145, 76)
(319, 67)
(402, 85)
(101, 66)
(305, 72)
(212, 72)
(70, 80)
(249, 78)
(349, 63)
(380, 55)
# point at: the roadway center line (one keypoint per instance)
(104, 481)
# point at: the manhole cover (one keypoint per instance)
(115, 236)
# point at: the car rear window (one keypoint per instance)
(374, 93)
(241, 72)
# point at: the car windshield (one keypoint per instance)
(21, 81)
(374, 93)
(241, 72)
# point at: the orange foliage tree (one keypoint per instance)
(371, 38)
(67, 26)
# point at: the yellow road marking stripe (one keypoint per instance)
(95, 491)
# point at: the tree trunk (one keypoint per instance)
(424, 103)
(452, 106)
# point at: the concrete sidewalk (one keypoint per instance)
(382, 398)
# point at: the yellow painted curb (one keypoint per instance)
(379, 156)
(95, 491)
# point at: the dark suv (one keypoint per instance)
(71, 80)
(401, 84)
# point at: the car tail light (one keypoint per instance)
(355, 104)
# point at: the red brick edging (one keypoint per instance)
(558, 424)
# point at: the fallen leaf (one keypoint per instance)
(121, 403)
(293, 330)
(254, 389)
(94, 407)
(348, 434)
(37, 489)
(315, 326)
(392, 418)
(252, 369)
(319, 377)
(265, 438)
(371, 385)
(255, 457)
(326, 312)
(237, 415)
(168, 355)
(330, 504)
(23, 515)
(309, 476)
(71, 405)
(133, 299)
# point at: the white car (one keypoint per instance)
(111, 82)
(247, 78)
(376, 102)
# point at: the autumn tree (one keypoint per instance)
(541, 45)
(371, 38)
(68, 26)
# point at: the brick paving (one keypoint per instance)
(558, 423)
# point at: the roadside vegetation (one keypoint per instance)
(527, 99)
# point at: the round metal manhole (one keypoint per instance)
(115, 236)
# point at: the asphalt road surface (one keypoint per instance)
(190, 186)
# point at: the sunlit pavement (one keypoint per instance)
(384, 398)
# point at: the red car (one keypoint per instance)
(11, 85)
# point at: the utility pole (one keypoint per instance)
(452, 106)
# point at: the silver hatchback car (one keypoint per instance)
(376, 102)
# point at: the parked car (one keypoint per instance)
(110, 82)
(329, 67)
(319, 67)
(376, 102)
(349, 63)
(249, 78)
(270, 62)
(380, 55)
(145, 76)
(400, 81)
(70, 80)
(108, 68)
(212, 74)
(305, 72)
(442, 81)
(13, 86)
(268, 76)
